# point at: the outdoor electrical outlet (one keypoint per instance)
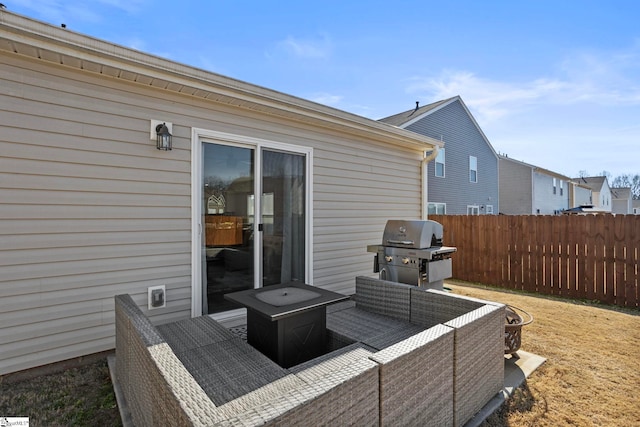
(157, 297)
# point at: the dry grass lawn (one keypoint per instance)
(591, 377)
(79, 396)
(592, 373)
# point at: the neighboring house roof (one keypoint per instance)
(594, 182)
(63, 46)
(401, 119)
(535, 168)
(406, 118)
(623, 193)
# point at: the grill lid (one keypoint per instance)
(415, 234)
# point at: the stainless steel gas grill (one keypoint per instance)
(411, 252)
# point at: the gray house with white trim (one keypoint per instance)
(463, 178)
(260, 187)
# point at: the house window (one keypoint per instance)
(473, 169)
(216, 204)
(554, 186)
(489, 210)
(473, 210)
(561, 188)
(440, 163)
(437, 208)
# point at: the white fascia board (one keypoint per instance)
(36, 36)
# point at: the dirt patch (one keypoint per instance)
(592, 373)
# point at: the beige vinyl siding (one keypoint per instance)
(90, 209)
(356, 189)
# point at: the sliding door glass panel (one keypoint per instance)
(227, 218)
(283, 217)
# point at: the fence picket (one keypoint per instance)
(632, 270)
(609, 261)
(516, 255)
(503, 244)
(573, 256)
(547, 263)
(531, 264)
(582, 224)
(619, 260)
(563, 271)
(590, 264)
(600, 254)
(555, 257)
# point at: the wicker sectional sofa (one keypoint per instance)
(478, 344)
(392, 363)
(225, 381)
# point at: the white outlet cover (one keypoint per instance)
(150, 292)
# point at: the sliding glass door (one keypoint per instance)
(228, 234)
(238, 228)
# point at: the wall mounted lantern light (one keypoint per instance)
(163, 137)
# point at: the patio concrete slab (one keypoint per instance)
(516, 370)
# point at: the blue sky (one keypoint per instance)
(552, 83)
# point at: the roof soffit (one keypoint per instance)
(41, 41)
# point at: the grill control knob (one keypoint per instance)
(389, 258)
(405, 260)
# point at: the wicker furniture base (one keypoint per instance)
(478, 336)
(196, 373)
(398, 355)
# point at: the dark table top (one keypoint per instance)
(284, 300)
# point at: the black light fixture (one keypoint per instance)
(163, 137)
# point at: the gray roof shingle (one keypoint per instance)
(401, 118)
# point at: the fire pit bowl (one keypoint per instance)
(513, 328)
(285, 296)
(287, 322)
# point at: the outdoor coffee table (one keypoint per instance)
(287, 322)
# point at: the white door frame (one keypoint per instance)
(198, 136)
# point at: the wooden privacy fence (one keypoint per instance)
(592, 257)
